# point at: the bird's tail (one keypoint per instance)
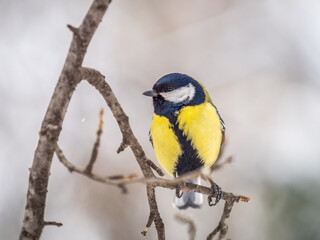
(189, 198)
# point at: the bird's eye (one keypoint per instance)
(169, 89)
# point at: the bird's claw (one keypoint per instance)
(217, 194)
(179, 193)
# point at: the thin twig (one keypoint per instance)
(154, 181)
(222, 227)
(111, 180)
(220, 165)
(155, 167)
(107, 180)
(123, 145)
(73, 29)
(53, 223)
(149, 222)
(95, 149)
(191, 225)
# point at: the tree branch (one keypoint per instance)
(179, 182)
(96, 144)
(96, 79)
(107, 180)
(149, 222)
(53, 224)
(153, 182)
(222, 226)
(191, 225)
(219, 165)
(155, 167)
(33, 222)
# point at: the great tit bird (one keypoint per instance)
(186, 131)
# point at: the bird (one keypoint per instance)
(186, 132)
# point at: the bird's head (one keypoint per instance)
(174, 91)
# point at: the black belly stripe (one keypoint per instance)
(189, 160)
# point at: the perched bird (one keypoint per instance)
(186, 131)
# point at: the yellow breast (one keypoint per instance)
(201, 125)
(165, 143)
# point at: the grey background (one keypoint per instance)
(258, 59)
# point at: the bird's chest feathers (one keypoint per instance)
(199, 124)
(165, 142)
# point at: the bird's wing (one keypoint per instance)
(223, 126)
(208, 99)
(223, 129)
(150, 138)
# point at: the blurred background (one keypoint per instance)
(260, 61)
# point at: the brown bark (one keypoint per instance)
(33, 222)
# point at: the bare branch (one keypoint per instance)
(150, 221)
(96, 144)
(179, 182)
(107, 180)
(73, 29)
(123, 145)
(53, 224)
(155, 167)
(33, 222)
(153, 206)
(111, 180)
(97, 80)
(176, 183)
(220, 165)
(222, 226)
(191, 225)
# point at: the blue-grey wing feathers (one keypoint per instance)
(150, 137)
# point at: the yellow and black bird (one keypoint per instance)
(186, 131)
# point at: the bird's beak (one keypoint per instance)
(150, 93)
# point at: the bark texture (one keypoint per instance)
(33, 222)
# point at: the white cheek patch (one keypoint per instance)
(180, 94)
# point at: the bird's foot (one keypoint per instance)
(179, 193)
(217, 194)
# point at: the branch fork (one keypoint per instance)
(72, 74)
